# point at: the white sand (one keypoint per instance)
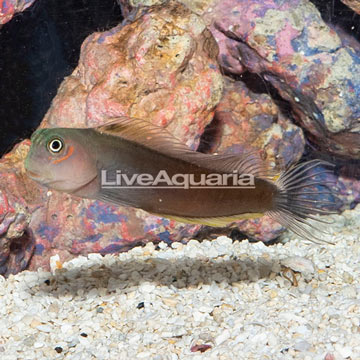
(231, 296)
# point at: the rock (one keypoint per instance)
(162, 67)
(19, 198)
(310, 63)
(249, 121)
(304, 59)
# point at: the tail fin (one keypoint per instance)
(302, 193)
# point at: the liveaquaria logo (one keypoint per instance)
(162, 180)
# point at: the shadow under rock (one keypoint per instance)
(184, 273)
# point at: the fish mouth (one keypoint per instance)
(32, 175)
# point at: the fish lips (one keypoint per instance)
(33, 172)
(33, 175)
(36, 176)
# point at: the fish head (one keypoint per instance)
(60, 159)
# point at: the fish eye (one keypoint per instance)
(55, 145)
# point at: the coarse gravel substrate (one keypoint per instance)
(205, 300)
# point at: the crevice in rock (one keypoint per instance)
(21, 251)
(210, 138)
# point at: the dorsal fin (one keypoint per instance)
(160, 139)
(145, 133)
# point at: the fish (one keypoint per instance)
(132, 162)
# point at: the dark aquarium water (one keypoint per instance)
(38, 48)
